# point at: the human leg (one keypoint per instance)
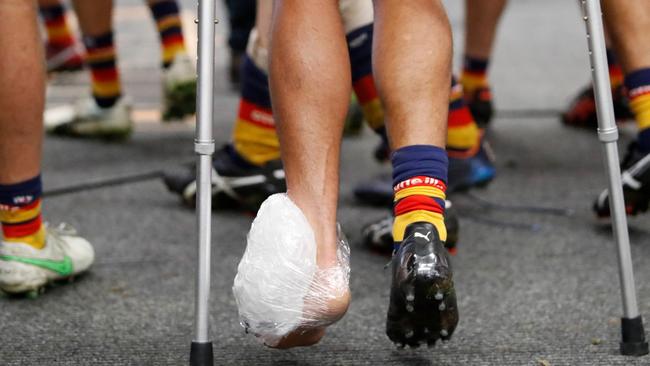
(30, 254)
(628, 23)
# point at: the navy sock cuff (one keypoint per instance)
(162, 9)
(22, 193)
(475, 64)
(637, 79)
(360, 49)
(255, 84)
(100, 41)
(419, 160)
(643, 141)
(611, 57)
(51, 12)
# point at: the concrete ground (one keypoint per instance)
(534, 288)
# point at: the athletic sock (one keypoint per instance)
(360, 48)
(615, 70)
(105, 77)
(474, 76)
(638, 86)
(58, 31)
(168, 20)
(20, 213)
(463, 134)
(419, 180)
(254, 136)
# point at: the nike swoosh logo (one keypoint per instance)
(62, 267)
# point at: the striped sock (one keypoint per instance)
(419, 179)
(360, 48)
(474, 75)
(20, 213)
(615, 70)
(105, 77)
(168, 20)
(254, 135)
(638, 86)
(463, 133)
(58, 31)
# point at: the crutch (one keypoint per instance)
(633, 342)
(201, 350)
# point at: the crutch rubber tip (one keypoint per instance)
(201, 354)
(634, 343)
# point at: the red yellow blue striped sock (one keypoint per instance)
(360, 48)
(170, 28)
(254, 136)
(638, 86)
(419, 178)
(20, 213)
(57, 28)
(101, 59)
(474, 76)
(463, 133)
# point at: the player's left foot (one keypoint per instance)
(234, 183)
(636, 184)
(479, 102)
(86, 119)
(179, 92)
(423, 305)
(582, 110)
(63, 59)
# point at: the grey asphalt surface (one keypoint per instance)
(534, 289)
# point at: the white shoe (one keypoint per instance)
(24, 268)
(86, 119)
(179, 88)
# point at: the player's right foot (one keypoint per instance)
(423, 305)
(62, 59)
(86, 119)
(234, 181)
(179, 88)
(25, 269)
(636, 184)
(582, 110)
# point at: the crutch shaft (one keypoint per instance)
(608, 135)
(633, 335)
(201, 351)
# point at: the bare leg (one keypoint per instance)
(414, 89)
(49, 2)
(95, 17)
(310, 136)
(21, 108)
(628, 22)
(481, 21)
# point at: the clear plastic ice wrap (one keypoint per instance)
(279, 286)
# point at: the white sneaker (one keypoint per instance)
(86, 119)
(179, 88)
(25, 269)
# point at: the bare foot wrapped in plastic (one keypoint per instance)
(284, 297)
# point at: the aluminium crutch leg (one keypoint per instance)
(633, 342)
(201, 351)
